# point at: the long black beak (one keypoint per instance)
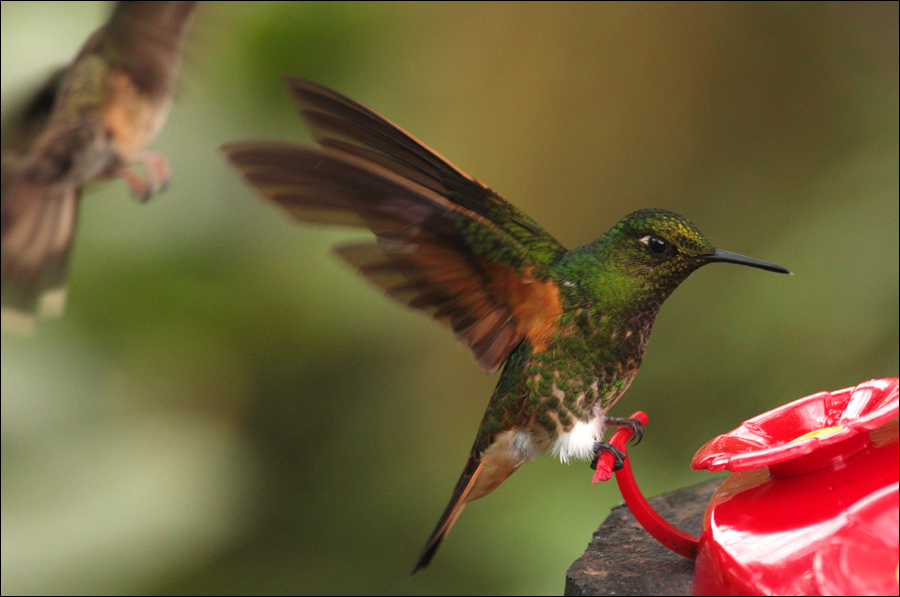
(726, 257)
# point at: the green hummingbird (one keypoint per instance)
(569, 327)
(91, 121)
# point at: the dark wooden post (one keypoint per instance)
(622, 559)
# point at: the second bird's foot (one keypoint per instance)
(156, 179)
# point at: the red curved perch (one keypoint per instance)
(678, 541)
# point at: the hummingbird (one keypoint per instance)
(568, 327)
(91, 121)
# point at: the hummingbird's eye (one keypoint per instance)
(657, 245)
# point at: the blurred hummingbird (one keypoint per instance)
(569, 327)
(94, 120)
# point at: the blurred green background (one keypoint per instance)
(226, 408)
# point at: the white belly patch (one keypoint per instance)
(578, 444)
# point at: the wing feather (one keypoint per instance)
(445, 243)
(338, 122)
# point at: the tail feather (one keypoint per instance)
(482, 475)
(456, 506)
(38, 227)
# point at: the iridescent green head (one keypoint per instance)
(660, 249)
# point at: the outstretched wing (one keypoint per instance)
(338, 122)
(445, 243)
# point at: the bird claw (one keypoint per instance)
(157, 178)
(637, 428)
(618, 455)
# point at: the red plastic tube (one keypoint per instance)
(684, 544)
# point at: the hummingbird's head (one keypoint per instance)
(661, 249)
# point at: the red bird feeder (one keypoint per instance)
(812, 508)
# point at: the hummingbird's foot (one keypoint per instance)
(636, 427)
(618, 455)
(157, 178)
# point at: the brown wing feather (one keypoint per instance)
(146, 40)
(421, 255)
(337, 122)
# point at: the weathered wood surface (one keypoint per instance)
(622, 559)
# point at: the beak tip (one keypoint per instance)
(728, 257)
